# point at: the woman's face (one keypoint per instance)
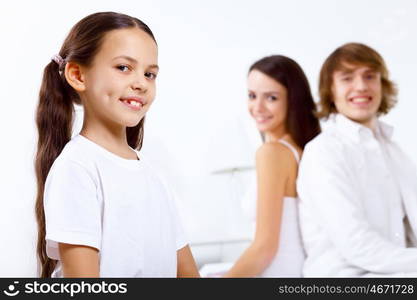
(267, 103)
(120, 83)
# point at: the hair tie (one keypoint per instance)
(58, 59)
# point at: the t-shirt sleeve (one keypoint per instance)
(181, 239)
(180, 236)
(72, 207)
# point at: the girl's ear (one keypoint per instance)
(74, 76)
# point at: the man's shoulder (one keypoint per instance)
(327, 139)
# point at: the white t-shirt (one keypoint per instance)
(120, 207)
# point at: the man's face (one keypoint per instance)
(357, 93)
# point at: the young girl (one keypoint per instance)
(280, 102)
(101, 210)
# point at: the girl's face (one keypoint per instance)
(120, 83)
(267, 103)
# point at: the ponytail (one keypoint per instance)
(54, 117)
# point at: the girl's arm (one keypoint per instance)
(186, 266)
(79, 261)
(273, 164)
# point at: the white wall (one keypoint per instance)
(198, 123)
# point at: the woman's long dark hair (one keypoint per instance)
(55, 111)
(301, 121)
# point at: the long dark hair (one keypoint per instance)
(301, 121)
(55, 111)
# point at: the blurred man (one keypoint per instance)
(358, 190)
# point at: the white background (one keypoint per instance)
(198, 123)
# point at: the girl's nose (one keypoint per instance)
(140, 84)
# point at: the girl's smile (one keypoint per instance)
(134, 103)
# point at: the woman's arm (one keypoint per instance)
(186, 266)
(79, 261)
(273, 164)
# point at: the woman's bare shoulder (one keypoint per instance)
(274, 155)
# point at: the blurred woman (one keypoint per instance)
(280, 102)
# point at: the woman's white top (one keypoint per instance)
(120, 207)
(289, 259)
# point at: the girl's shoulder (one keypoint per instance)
(74, 156)
(76, 150)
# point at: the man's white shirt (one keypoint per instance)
(358, 203)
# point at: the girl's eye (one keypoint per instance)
(272, 98)
(123, 68)
(346, 78)
(251, 96)
(150, 75)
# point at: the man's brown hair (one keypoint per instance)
(354, 54)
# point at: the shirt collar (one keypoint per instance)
(385, 130)
(358, 132)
